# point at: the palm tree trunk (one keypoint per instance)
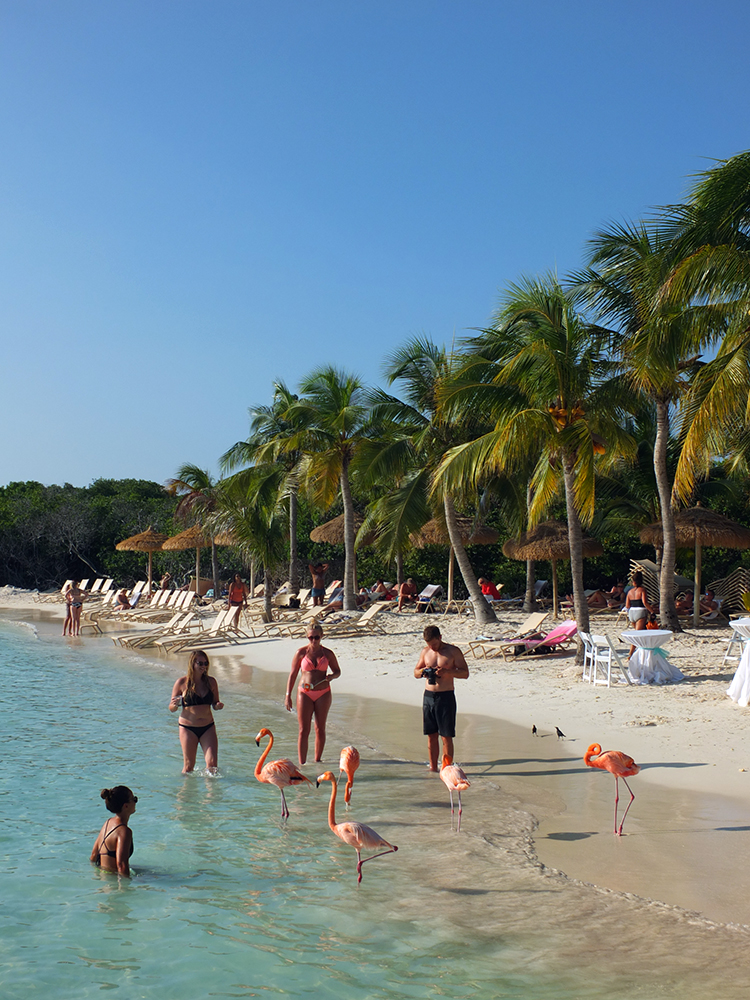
(267, 595)
(482, 611)
(350, 603)
(529, 602)
(575, 537)
(399, 567)
(215, 570)
(293, 560)
(667, 610)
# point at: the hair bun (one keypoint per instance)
(105, 793)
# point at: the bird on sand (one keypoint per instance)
(281, 773)
(455, 780)
(560, 734)
(348, 763)
(534, 731)
(356, 835)
(616, 763)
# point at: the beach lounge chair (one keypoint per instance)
(489, 647)
(427, 598)
(134, 637)
(186, 626)
(364, 624)
(55, 598)
(553, 642)
(222, 630)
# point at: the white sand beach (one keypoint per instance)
(689, 827)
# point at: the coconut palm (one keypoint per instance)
(546, 379)
(332, 421)
(659, 343)
(274, 438)
(410, 456)
(198, 493)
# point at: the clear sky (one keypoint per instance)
(197, 198)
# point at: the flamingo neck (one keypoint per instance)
(332, 806)
(593, 751)
(262, 759)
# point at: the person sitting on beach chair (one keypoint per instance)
(709, 603)
(407, 593)
(684, 605)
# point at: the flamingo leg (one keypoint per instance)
(450, 792)
(284, 806)
(632, 799)
(371, 858)
(460, 810)
(617, 799)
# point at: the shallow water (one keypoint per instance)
(228, 902)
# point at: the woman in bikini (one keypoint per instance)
(314, 690)
(196, 694)
(237, 596)
(114, 845)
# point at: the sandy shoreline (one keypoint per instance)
(691, 817)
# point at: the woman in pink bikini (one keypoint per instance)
(314, 690)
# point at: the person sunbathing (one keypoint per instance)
(708, 603)
(684, 605)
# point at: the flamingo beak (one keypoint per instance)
(317, 784)
(257, 743)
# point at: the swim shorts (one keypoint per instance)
(318, 592)
(439, 713)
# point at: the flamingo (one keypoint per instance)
(616, 763)
(455, 780)
(281, 773)
(357, 835)
(349, 763)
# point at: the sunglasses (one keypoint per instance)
(314, 638)
(135, 798)
(201, 663)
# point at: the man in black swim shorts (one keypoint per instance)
(439, 664)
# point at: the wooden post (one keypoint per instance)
(554, 588)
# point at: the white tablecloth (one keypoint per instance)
(649, 663)
(739, 689)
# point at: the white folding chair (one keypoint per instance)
(740, 635)
(588, 657)
(605, 653)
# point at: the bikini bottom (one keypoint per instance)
(314, 695)
(197, 731)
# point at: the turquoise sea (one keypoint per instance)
(226, 901)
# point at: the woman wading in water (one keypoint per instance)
(197, 693)
(314, 690)
(114, 845)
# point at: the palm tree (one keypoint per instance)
(660, 342)
(545, 377)
(411, 456)
(274, 438)
(250, 511)
(332, 421)
(199, 493)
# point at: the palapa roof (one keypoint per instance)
(147, 541)
(435, 532)
(699, 524)
(332, 532)
(548, 540)
(191, 538)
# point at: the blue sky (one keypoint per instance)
(197, 198)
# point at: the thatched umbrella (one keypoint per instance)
(191, 538)
(435, 532)
(696, 527)
(548, 541)
(148, 541)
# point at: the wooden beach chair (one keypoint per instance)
(364, 624)
(218, 631)
(179, 626)
(490, 647)
(55, 598)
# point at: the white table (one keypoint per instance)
(649, 664)
(739, 689)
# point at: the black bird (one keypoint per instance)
(533, 731)
(560, 734)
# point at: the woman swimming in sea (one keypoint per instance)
(197, 693)
(114, 845)
(314, 690)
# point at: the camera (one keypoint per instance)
(431, 674)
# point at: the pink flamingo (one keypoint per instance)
(349, 763)
(455, 780)
(281, 773)
(356, 835)
(616, 763)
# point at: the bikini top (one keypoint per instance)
(637, 603)
(321, 665)
(113, 854)
(188, 700)
(236, 592)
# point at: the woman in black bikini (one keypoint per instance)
(114, 845)
(196, 694)
(313, 691)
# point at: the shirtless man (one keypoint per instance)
(318, 574)
(439, 663)
(407, 593)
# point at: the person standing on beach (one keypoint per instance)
(75, 598)
(318, 574)
(314, 690)
(237, 596)
(440, 664)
